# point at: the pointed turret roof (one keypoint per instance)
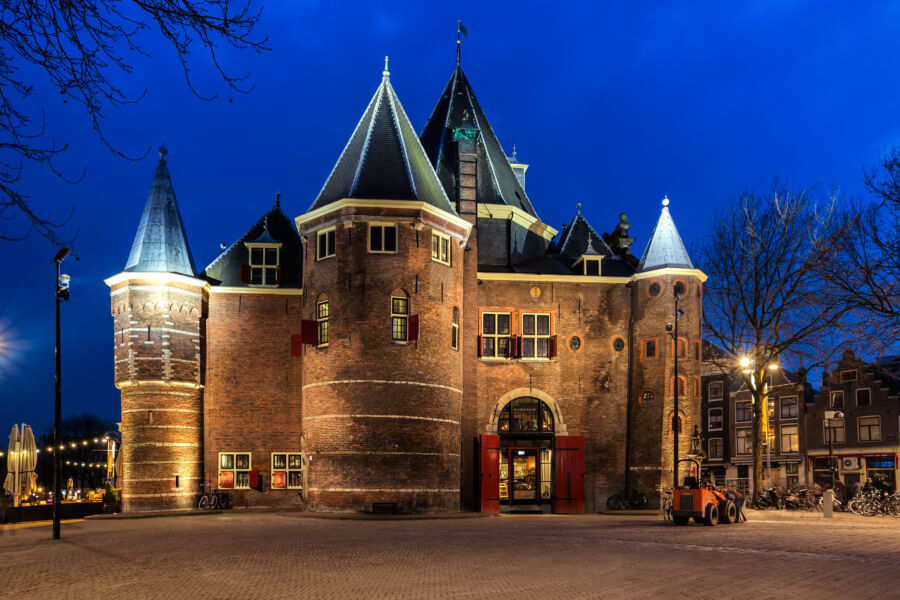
(160, 244)
(665, 248)
(497, 182)
(579, 238)
(383, 158)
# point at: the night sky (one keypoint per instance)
(612, 107)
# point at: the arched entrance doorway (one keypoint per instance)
(526, 427)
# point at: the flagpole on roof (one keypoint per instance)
(460, 31)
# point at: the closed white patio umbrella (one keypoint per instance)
(28, 460)
(11, 484)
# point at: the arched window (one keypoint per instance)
(526, 415)
(682, 385)
(680, 422)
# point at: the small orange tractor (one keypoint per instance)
(705, 503)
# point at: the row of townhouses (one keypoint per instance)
(850, 425)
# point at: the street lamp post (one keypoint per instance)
(675, 420)
(62, 293)
(829, 415)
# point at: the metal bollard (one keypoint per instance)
(828, 503)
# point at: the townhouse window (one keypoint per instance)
(790, 438)
(742, 412)
(264, 264)
(714, 448)
(834, 431)
(647, 398)
(454, 330)
(440, 248)
(495, 334)
(325, 244)
(234, 470)
(743, 441)
(399, 319)
(383, 238)
(715, 391)
(770, 404)
(792, 473)
(535, 335)
(287, 470)
(849, 375)
(869, 428)
(715, 419)
(789, 407)
(322, 314)
(863, 397)
(648, 349)
(837, 399)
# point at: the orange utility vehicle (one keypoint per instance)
(705, 502)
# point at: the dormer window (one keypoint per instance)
(265, 264)
(592, 266)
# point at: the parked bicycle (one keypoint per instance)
(211, 499)
(618, 501)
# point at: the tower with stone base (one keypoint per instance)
(159, 308)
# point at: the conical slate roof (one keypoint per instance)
(384, 159)
(160, 244)
(497, 182)
(665, 248)
(579, 238)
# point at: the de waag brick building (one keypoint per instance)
(417, 340)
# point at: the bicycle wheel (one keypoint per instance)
(226, 501)
(204, 503)
(613, 502)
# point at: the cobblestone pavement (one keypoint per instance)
(283, 555)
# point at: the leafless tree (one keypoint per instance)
(870, 254)
(84, 48)
(766, 298)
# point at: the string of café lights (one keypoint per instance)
(73, 446)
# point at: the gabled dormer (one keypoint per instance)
(263, 266)
(581, 242)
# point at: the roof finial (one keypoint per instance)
(460, 30)
(386, 75)
(277, 199)
(665, 201)
(514, 154)
(578, 207)
(163, 152)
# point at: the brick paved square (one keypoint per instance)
(246, 555)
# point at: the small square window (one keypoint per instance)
(789, 408)
(440, 248)
(863, 397)
(869, 428)
(647, 398)
(649, 348)
(715, 391)
(383, 238)
(325, 247)
(848, 375)
(715, 419)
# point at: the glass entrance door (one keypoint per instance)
(524, 475)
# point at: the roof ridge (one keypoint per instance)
(379, 94)
(405, 151)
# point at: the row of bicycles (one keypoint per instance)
(868, 504)
(875, 502)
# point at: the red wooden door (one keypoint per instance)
(489, 483)
(568, 477)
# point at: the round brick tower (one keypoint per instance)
(158, 308)
(382, 389)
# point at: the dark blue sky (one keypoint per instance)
(613, 107)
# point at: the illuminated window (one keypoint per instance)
(399, 319)
(535, 335)
(322, 315)
(325, 244)
(525, 415)
(715, 419)
(454, 330)
(743, 441)
(647, 398)
(495, 334)
(264, 264)
(383, 238)
(790, 438)
(440, 248)
(287, 470)
(869, 428)
(234, 470)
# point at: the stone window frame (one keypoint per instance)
(869, 428)
(709, 393)
(681, 421)
(399, 320)
(864, 389)
(650, 283)
(644, 348)
(536, 337)
(794, 446)
(329, 248)
(438, 242)
(287, 469)
(612, 344)
(234, 470)
(682, 386)
(739, 436)
(835, 425)
(454, 329)
(682, 347)
(781, 407)
(323, 315)
(383, 227)
(709, 449)
(709, 419)
(496, 336)
(263, 268)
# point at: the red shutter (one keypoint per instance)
(412, 333)
(226, 479)
(254, 480)
(278, 275)
(296, 345)
(551, 349)
(480, 346)
(309, 332)
(568, 478)
(489, 482)
(245, 273)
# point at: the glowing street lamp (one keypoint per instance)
(62, 294)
